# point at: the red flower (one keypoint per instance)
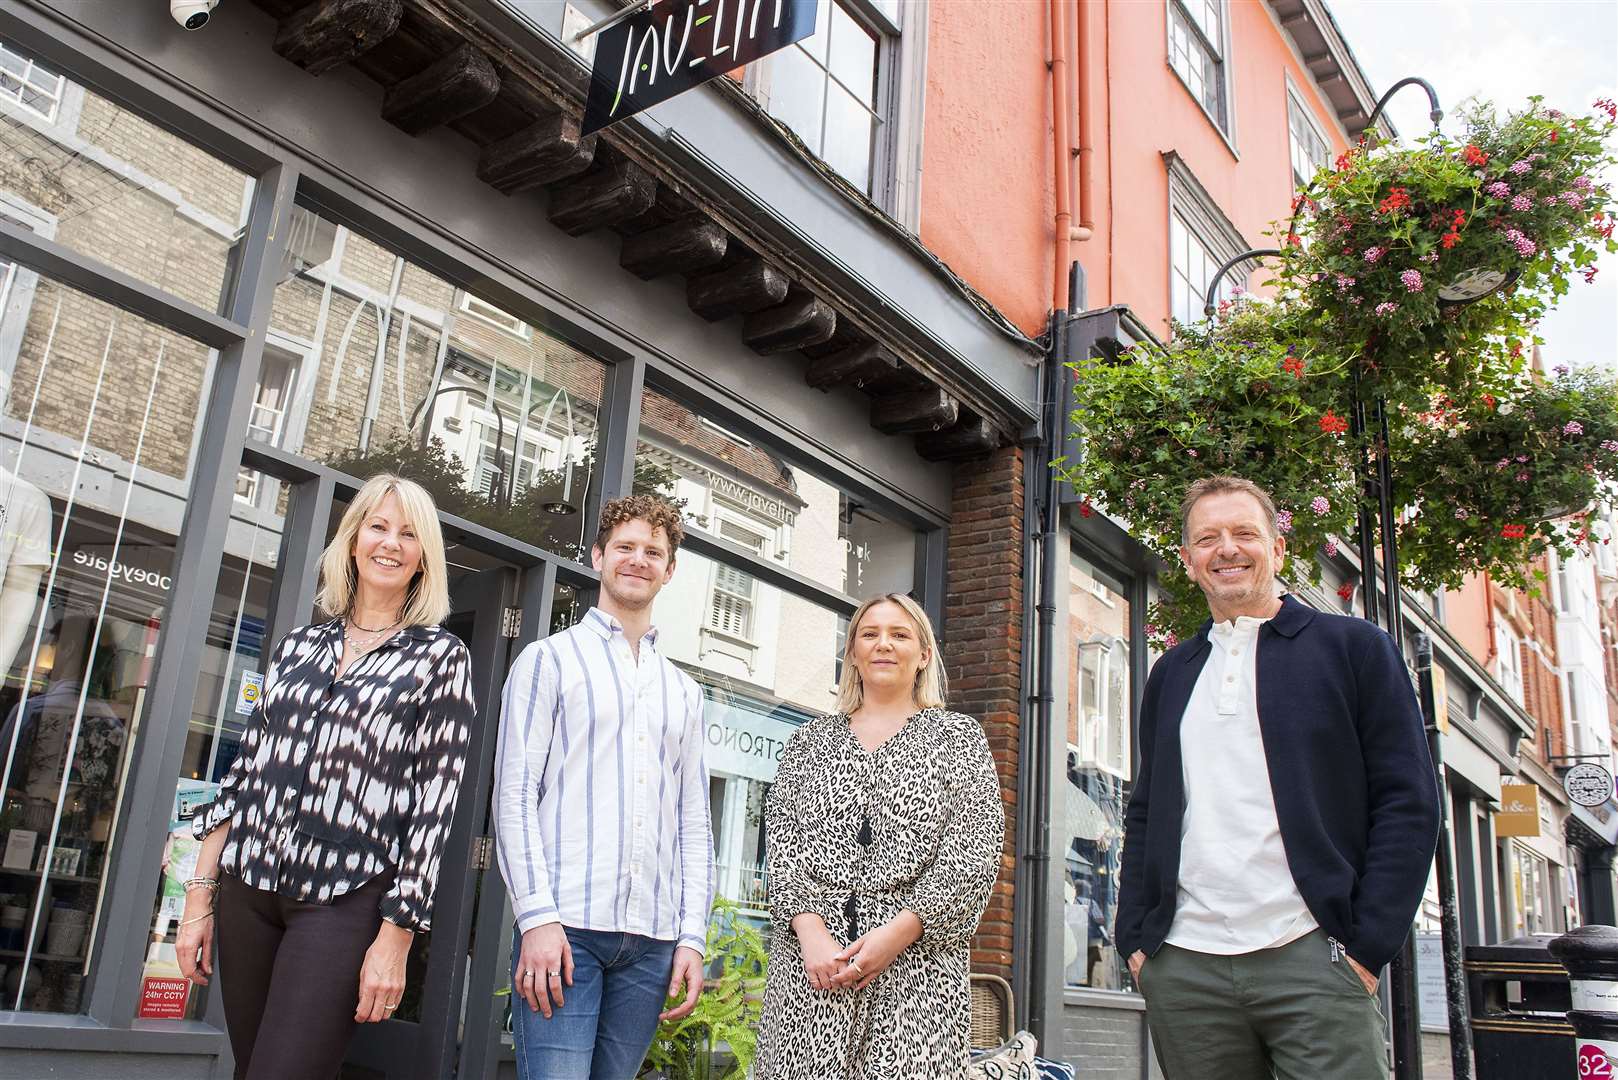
(1332, 424)
(1474, 156)
(1488, 400)
(1398, 199)
(1293, 366)
(1513, 532)
(1555, 134)
(1086, 508)
(1346, 591)
(1450, 240)
(1608, 106)
(1590, 274)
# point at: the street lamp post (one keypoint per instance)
(1375, 468)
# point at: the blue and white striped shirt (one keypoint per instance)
(601, 795)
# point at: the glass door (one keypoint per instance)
(422, 1040)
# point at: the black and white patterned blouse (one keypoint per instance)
(339, 781)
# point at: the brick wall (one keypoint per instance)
(983, 614)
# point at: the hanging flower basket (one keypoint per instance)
(1502, 479)
(1410, 256)
(1237, 398)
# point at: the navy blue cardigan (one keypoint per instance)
(1355, 793)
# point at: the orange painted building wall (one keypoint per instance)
(987, 197)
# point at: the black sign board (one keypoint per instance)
(678, 44)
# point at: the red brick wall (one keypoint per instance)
(983, 613)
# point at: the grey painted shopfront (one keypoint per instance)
(231, 290)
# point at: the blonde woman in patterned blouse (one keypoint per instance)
(885, 828)
(322, 848)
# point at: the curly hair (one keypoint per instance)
(652, 509)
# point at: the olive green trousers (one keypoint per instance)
(1291, 1013)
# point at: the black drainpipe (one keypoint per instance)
(1041, 517)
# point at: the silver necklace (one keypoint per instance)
(361, 647)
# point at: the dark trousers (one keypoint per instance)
(289, 975)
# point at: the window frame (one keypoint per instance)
(1224, 117)
(57, 98)
(1203, 218)
(1297, 107)
(891, 41)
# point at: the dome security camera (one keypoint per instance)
(191, 14)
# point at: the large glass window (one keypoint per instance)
(1099, 756)
(111, 185)
(732, 489)
(98, 416)
(1197, 54)
(825, 89)
(381, 365)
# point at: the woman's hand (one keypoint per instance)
(819, 950)
(382, 976)
(193, 941)
(870, 956)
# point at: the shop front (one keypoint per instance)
(231, 292)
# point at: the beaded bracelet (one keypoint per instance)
(211, 884)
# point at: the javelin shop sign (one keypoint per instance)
(678, 44)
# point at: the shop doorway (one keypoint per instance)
(422, 1040)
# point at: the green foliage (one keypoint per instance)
(1495, 464)
(728, 1012)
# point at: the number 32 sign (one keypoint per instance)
(1595, 1061)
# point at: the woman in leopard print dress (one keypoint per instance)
(885, 831)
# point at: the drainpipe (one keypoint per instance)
(1042, 517)
(1087, 147)
(1062, 155)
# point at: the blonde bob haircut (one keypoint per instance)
(427, 598)
(930, 685)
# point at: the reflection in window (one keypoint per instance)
(97, 421)
(825, 89)
(35, 88)
(119, 189)
(744, 493)
(1098, 772)
(497, 418)
(1309, 150)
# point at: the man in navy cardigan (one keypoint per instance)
(1282, 824)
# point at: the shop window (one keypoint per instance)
(121, 190)
(496, 417)
(825, 88)
(97, 421)
(1197, 54)
(267, 420)
(788, 513)
(1310, 151)
(1532, 888)
(1101, 632)
(29, 84)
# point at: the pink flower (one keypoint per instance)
(1372, 254)
(1561, 369)
(1191, 453)
(1499, 189)
(1502, 464)
(1283, 520)
(1522, 477)
(1525, 247)
(1461, 513)
(1386, 307)
(1574, 199)
(1610, 445)
(1522, 457)
(1522, 202)
(1319, 504)
(1344, 282)
(1412, 280)
(1517, 168)
(1572, 427)
(1331, 548)
(1430, 257)
(1356, 301)
(1582, 183)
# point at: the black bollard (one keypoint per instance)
(1590, 955)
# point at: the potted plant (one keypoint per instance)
(725, 1021)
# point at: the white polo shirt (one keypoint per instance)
(1236, 892)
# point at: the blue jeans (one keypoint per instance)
(620, 982)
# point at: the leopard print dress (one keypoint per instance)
(937, 827)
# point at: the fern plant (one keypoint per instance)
(726, 1015)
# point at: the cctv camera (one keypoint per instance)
(191, 14)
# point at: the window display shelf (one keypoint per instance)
(44, 958)
(77, 879)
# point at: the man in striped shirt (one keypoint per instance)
(603, 834)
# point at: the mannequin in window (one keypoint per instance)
(25, 551)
